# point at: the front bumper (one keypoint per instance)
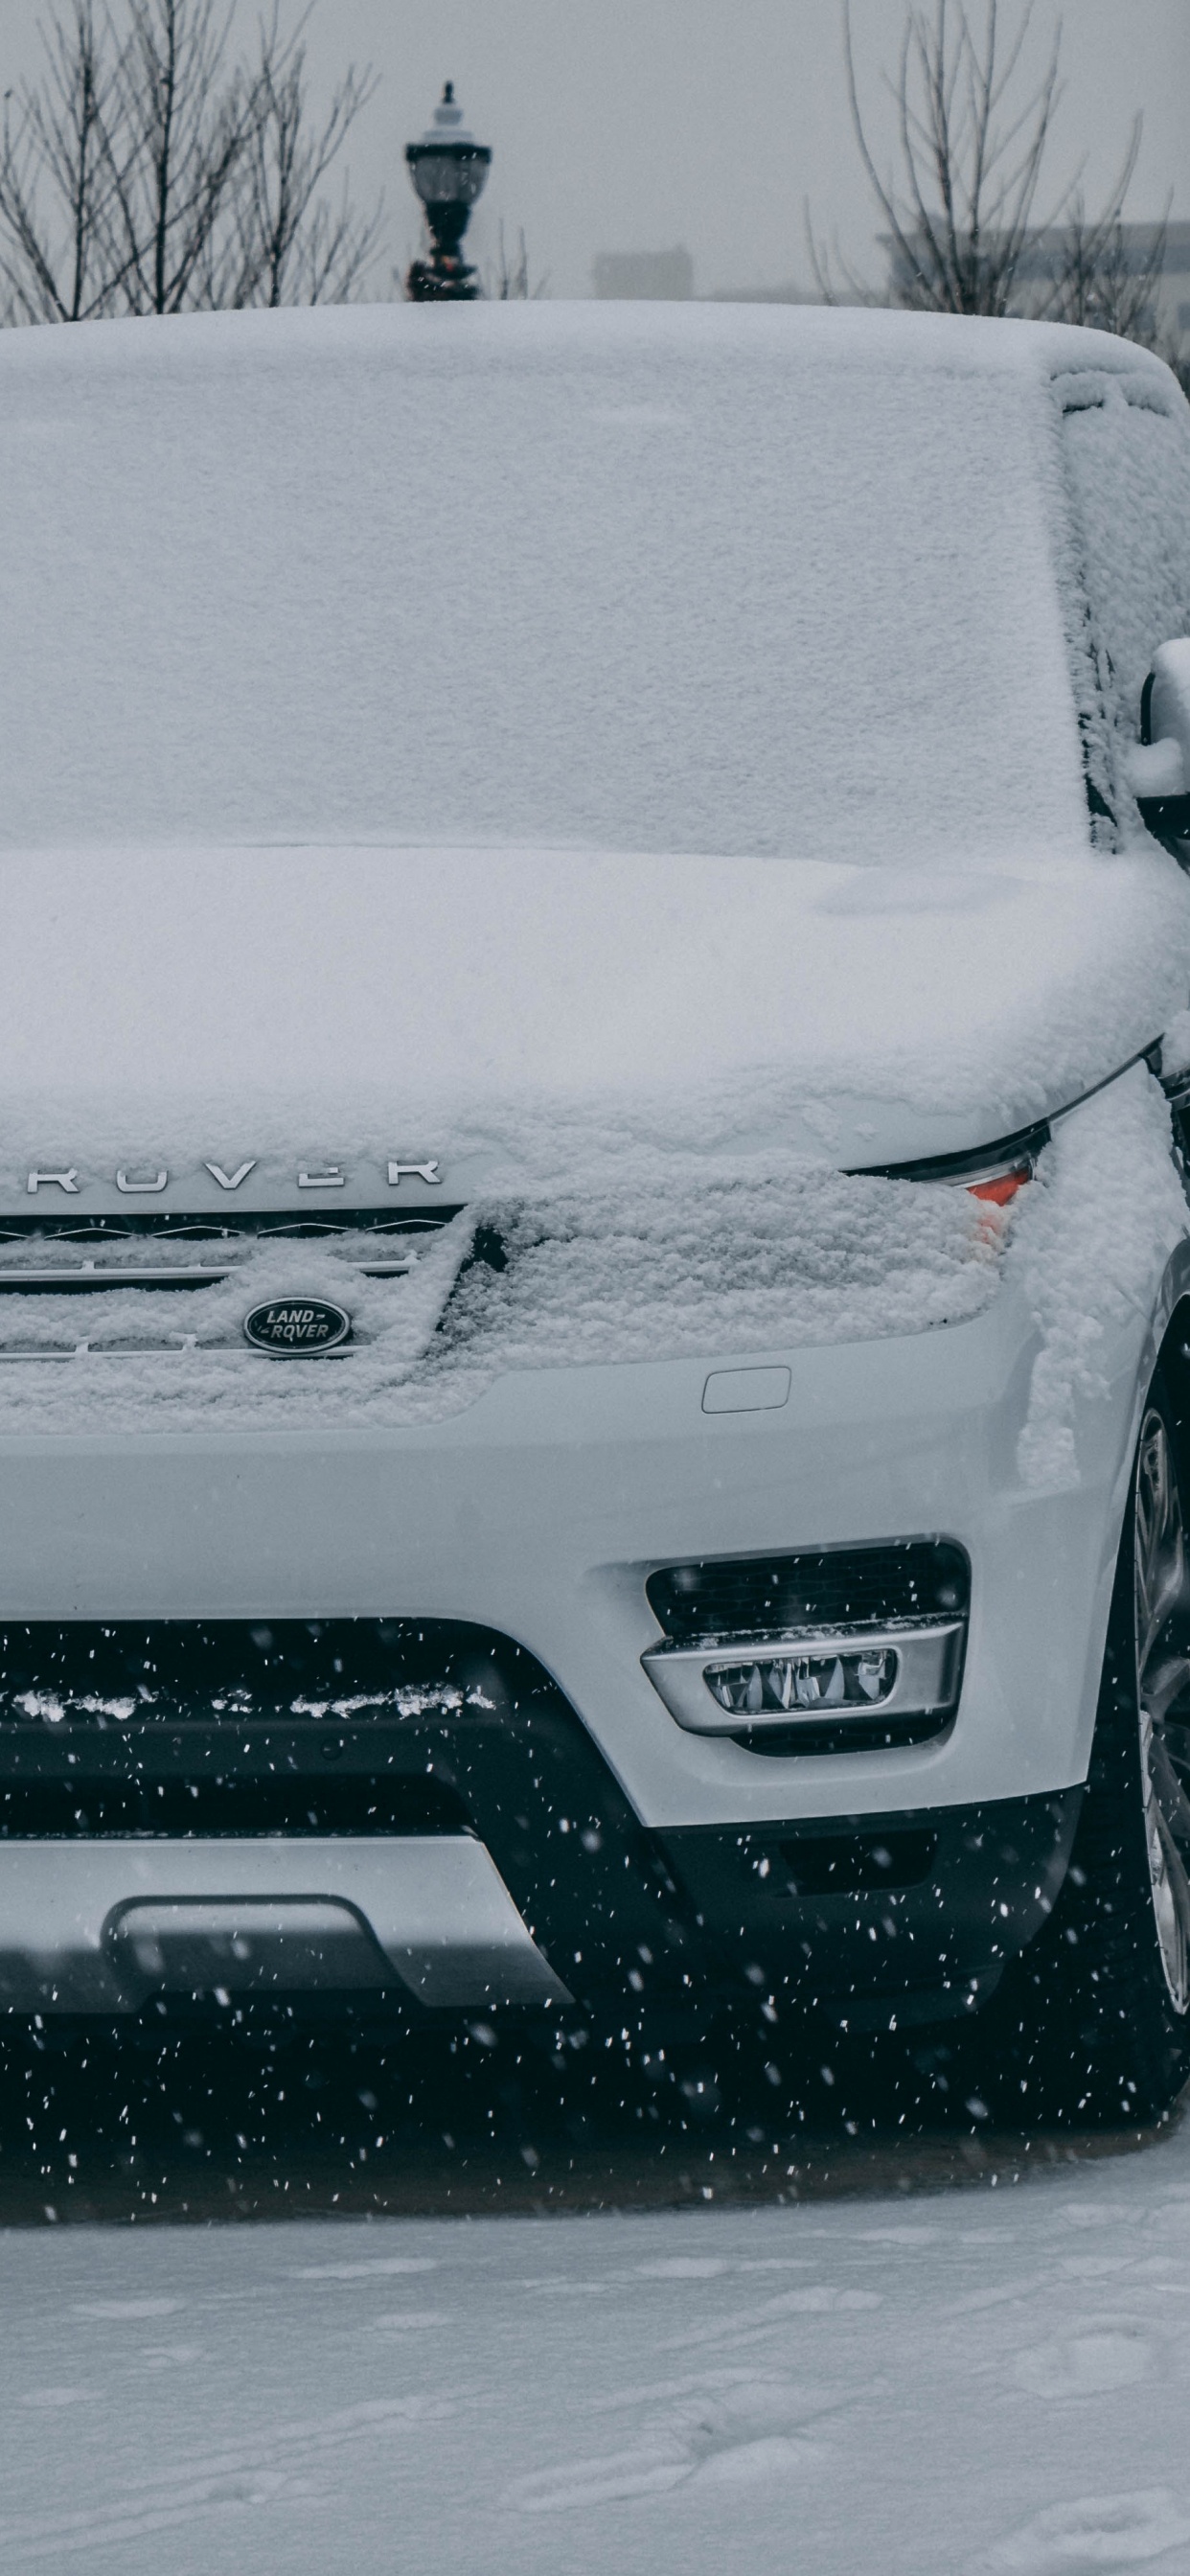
(534, 1517)
(476, 1852)
(538, 1512)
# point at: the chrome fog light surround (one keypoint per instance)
(847, 1676)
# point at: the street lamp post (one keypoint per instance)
(448, 169)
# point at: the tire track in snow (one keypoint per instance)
(1092, 2536)
(271, 2467)
(730, 2428)
(817, 2299)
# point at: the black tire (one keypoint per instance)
(1099, 2008)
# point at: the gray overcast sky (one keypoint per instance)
(635, 124)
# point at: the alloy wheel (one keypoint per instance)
(1162, 1623)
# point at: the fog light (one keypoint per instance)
(861, 1680)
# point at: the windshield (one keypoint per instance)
(724, 586)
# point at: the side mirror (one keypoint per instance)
(1158, 767)
(1165, 698)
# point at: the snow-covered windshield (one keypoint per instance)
(694, 580)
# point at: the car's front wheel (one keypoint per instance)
(1100, 2008)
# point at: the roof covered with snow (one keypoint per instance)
(713, 579)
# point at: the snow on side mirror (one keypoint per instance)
(1158, 766)
(1155, 769)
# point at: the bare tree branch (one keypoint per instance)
(54, 146)
(1093, 274)
(292, 246)
(183, 120)
(507, 278)
(960, 215)
(959, 212)
(152, 171)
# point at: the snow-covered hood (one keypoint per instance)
(504, 1018)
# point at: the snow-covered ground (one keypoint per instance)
(988, 2379)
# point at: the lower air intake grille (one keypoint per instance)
(225, 1673)
(735, 1598)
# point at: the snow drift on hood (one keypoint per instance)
(529, 1017)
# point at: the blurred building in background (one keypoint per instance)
(789, 293)
(656, 276)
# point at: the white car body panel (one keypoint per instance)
(718, 778)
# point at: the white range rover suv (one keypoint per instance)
(594, 1269)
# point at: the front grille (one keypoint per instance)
(76, 1238)
(81, 1267)
(727, 1600)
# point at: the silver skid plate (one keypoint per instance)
(101, 1926)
